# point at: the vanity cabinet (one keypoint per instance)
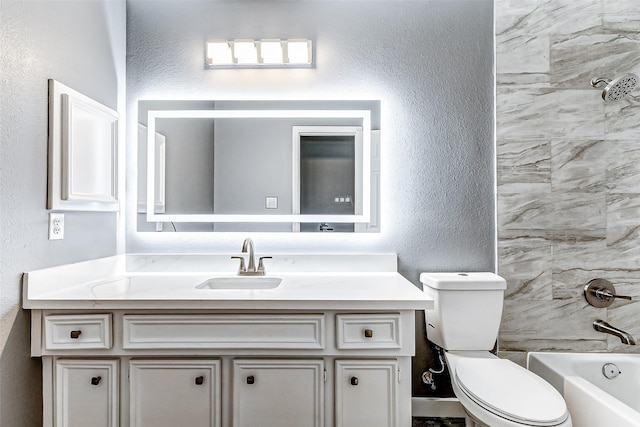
(275, 393)
(86, 393)
(367, 393)
(169, 393)
(214, 368)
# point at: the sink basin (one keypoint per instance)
(240, 282)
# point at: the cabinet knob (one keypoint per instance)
(95, 380)
(199, 380)
(354, 381)
(251, 379)
(75, 334)
(368, 333)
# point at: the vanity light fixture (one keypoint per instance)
(245, 52)
(265, 53)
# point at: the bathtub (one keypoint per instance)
(593, 399)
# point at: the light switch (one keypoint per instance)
(271, 202)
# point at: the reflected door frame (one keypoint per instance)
(298, 132)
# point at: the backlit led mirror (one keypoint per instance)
(254, 166)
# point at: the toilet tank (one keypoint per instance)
(467, 309)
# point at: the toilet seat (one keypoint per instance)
(507, 390)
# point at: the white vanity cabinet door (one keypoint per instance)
(171, 393)
(86, 393)
(366, 393)
(278, 393)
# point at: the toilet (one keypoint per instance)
(494, 392)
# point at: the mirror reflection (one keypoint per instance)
(242, 166)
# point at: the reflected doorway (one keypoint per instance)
(328, 175)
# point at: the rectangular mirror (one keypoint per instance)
(242, 166)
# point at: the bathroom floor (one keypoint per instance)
(438, 422)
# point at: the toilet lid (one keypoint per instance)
(510, 391)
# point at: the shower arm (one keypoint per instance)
(599, 81)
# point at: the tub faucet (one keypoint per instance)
(251, 269)
(602, 326)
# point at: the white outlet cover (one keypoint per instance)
(56, 226)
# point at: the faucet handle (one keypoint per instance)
(606, 294)
(600, 293)
(261, 264)
(241, 268)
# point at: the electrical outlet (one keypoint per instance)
(56, 226)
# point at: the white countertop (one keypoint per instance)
(169, 282)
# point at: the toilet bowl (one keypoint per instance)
(494, 392)
(499, 393)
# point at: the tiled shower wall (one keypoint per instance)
(568, 171)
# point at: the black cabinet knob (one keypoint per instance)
(95, 380)
(199, 380)
(251, 379)
(368, 333)
(75, 334)
(354, 381)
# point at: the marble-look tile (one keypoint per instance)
(526, 264)
(589, 225)
(547, 113)
(576, 59)
(623, 218)
(624, 253)
(624, 317)
(569, 283)
(621, 16)
(549, 325)
(537, 17)
(519, 357)
(523, 80)
(622, 118)
(585, 255)
(522, 54)
(573, 217)
(623, 167)
(523, 166)
(578, 217)
(570, 278)
(578, 165)
(527, 215)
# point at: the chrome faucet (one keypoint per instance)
(602, 326)
(251, 269)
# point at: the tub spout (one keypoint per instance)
(602, 326)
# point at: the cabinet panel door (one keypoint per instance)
(278, 393)
(86, 393)
(366, 393)
(170, 393)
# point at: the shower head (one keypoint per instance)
(618, 88)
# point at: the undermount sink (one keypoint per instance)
(241, 282)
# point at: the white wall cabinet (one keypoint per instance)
(209, 368)
(86, 393)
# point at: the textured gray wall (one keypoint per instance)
(428, 62)
(81, 44)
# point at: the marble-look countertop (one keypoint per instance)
(309, 282)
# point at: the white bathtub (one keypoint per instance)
(593, 399)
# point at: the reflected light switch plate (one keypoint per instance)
(271, 202)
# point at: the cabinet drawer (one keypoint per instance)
(223, 331)
(368, 331)
(70, 332)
